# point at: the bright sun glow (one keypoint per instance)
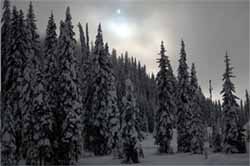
(122, 29)
(118, 11)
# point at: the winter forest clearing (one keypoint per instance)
(152, 157)
(71, 100)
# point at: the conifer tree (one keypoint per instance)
(51, 63)
(35, 44)
(89, 110)
(197, 126)
(50, 77)
(82, 39)
(112, 107)
(29, 122)
(31, 69)
(39, 151)
(164, 114)
(183, 112)
(173, 86)
(85, 77)
(18, 91)
(5, 43)
(50, 46)
(217, 128)
(231, 130)
(84, 72)
(101, 97)
(130, 131)
(68, 123)
(172, 78)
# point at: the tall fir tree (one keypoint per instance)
(183, 113)
(231, 131)
(40, 151)
(112, 104)
(85, 76)
(197, 127)
(216, 144)
(51, 64)
(68, 122)
(130, 131)
(50, 45)
(164, 115)
(50, 85)
(5, 54)
(100, 98)
(31, 69)
(27, 97)
(5, 43)
(31, 26)
(18, 91)
(173, 86)
(84, 65)
(82, 39)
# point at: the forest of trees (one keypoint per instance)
(61, 97)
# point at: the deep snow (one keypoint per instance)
(153, 158)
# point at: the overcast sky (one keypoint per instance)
(208, 27)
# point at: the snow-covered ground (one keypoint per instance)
(153, 158)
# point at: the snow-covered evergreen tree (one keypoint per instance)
(216, 144)
(101, 99)
(130, 130)
(29, 122)
(230, 106)
(51, 82)
(84, 65)
(40, 149)
(112, 108)
(83, 76)
(197, 127)
(68, 115)
(18, 92)
(173, 86)
(50, 45)
(33, 79)
(82, 39)
(183, 112)
(164, 115)
(51, 63)
(120, 84)
(35, 43)
(5, 53)
(5, 43)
